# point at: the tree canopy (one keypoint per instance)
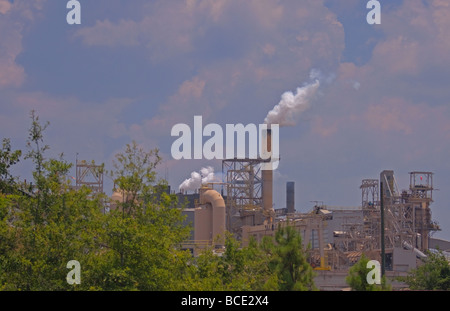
(433, 274)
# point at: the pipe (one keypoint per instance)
(416, 251)
(218, 213)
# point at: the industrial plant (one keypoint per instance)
(391, 225)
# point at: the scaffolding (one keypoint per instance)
(369, 193)
(419, 199)
(89, 175)
(407, 213)
(351, 237)
(243, 193)
(407, 217)
(370, 204)
(399, 216)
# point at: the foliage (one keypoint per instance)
(135, 247)
(278, 263)
(289, 261)
(140, 240)
(41, 231)
(434, 274)
(134, 175)
(357, 277)
(7, 159)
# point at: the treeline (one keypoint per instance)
(136, 246)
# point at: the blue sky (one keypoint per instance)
(133, 69)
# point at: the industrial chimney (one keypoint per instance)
(267, 179)
(290, 197)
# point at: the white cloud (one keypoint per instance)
(11, 74)
(15, 17)
(5, 6)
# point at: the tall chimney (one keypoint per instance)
(290, 197)
(267, 179)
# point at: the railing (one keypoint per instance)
(194, 243)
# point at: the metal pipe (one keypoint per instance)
(218, 213)
(415, 250)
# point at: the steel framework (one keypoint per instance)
(407, 215)
(90, 175)
(243, 191)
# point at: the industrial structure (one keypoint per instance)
(208, 217)
(334, 237)
(391, 226)
(90, 175)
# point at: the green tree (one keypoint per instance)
(44, 229)
(7, 159)
(7, 239)
(140, 240)
(134, 175)
(289, 263)
(434, 274)
(276, 263)
(236, 269)
(36, 150)
(135, 247)
(357, 277)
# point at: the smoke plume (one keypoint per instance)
(292, 105)
(206, 175)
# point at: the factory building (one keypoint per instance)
(391, 223)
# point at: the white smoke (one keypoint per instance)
(292, 105)
(206, 175)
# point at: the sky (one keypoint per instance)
(133, 69)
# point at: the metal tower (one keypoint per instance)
(90, 175)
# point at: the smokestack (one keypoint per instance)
(267, 179)
(290, 197)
